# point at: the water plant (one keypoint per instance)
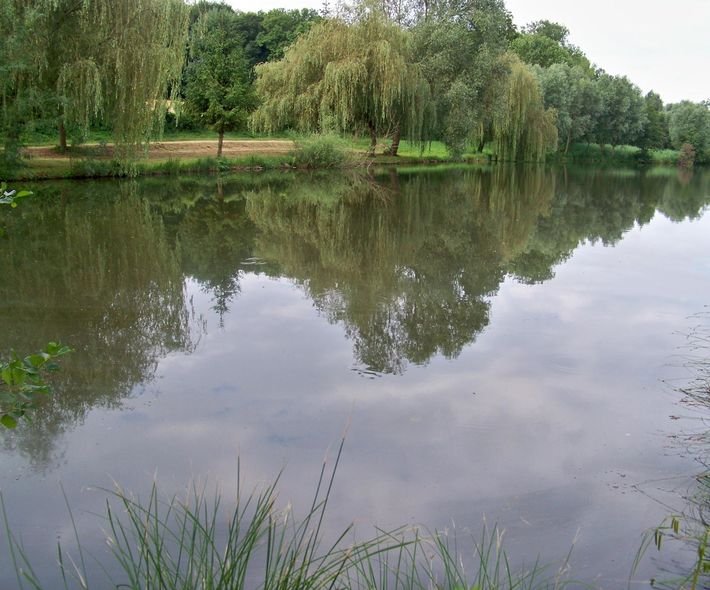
(691, 526)
(187, 543)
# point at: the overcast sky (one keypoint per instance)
(660, 45)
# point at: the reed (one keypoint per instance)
(175, 543)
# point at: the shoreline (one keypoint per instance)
(181, 156)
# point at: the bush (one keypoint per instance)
(320, 151)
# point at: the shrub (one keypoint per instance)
(320, 151)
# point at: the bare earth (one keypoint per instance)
(165, 150)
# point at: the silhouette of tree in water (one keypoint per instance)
(407, 263)
(409, 275)
(98, 273)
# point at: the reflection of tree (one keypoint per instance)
(205, 218)
(98, 274)
(684, 195)
(405, 262)
(407, 275)
(601, 205)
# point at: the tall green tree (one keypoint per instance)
(689, 122)
(219, 88)
(280, 28)
(622, 115)
(523, 130)
(459, 45)
(350, 76)
(655, 132)
(545, 43)
(575, 98)
(119, 60)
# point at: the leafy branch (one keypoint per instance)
(22, 382)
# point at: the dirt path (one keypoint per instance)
(165, 150)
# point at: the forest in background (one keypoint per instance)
(455, 71)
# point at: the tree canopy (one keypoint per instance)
(523, 130)
(219, 90)
(689, 122)
(71, 62)
(356, 76)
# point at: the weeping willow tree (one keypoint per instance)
(523, 130)
(92, 60)
(142, 66)
(356, 76)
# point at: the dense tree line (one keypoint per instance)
(449, 70)
(73, 63)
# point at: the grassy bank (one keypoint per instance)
(195, 151)
(622, 155)
(91, 161)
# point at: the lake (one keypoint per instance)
(497, 343)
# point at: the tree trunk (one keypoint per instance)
(62, 137)
(373, 140)
(220, 143)
(569, 139)
(394, 147)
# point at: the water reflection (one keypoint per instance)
(406, 263)
(407, 269)
(97, 273)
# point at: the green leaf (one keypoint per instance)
(13, 374)
(8, 421)
(37, 360)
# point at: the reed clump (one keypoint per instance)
(174, 543)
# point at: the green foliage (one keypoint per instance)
(544, 43)
(543, 51)
(280, 28)
(23, 383)
(459, 47)
(655, 132)
(622, 113)
(574, 97)
(264, 36)
(687, 156)
(355, 76)
(71, 62)
(320, 151)
(689, 122)
(554, 31)
(219, 89)
(523, 129)
(172, 543)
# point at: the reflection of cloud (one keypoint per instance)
(543, 423)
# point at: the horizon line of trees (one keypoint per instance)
(451, 70)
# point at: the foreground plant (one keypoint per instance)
(189, 544)
(691, 527)
(10, 197)
(23, 382)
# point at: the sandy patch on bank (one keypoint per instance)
(165, 150)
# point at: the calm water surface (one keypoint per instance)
(501, 343)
